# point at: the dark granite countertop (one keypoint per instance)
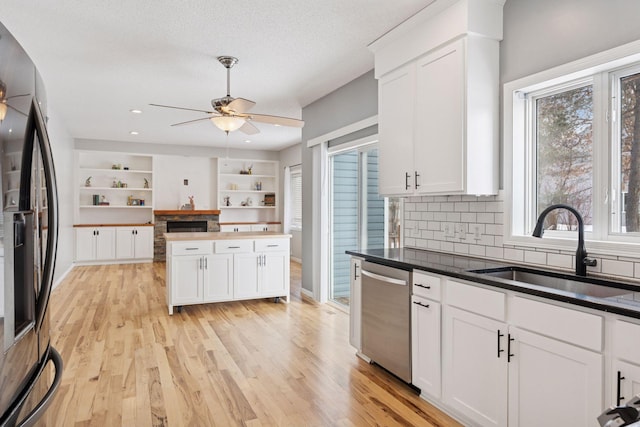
(461, 267)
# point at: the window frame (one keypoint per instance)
(601, 69)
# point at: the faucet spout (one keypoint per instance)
(581, 252)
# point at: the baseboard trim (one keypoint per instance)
(63, 276)
(307, 294)
(294, 259)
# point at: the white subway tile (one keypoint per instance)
(426, 234)
(453, 216)
(434, 244)
(478, 207)
(486, 218)
(560, 260)
(499, 218)
(535, 257)
(439, 216)
(487, 240)
(446, 207)
(447, 246)
(427, 216)
(494, 229)
(410, 242)
(434, 207)
(468, 217)
(422, 206)
(514, 255)
(617, 268)
(494, 252)
(434, 225)
(495, 207)
(438, 235)
(409, 207)
(454, 198)
(461, 248)
(477, 250)
(461, 207)
(497, 240)
(469, 198)
(440, 199)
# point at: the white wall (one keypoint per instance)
(291, 156)
(62, 152)
(169, 173)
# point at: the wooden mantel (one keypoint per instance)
(187, 212)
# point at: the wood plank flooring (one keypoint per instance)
(250, 363)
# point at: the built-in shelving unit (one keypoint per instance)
(248, 190)
(113, 188)
(11, 160)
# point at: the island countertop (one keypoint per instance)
(226, 235)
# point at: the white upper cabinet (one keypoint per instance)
(438, 100)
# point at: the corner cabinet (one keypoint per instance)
(248, 190)
(438, 122)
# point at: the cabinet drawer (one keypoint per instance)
(233, 246)
(201, 247)
(266, 245)
(475, 299)
(426, 285)
(565, 324)
(625, 341)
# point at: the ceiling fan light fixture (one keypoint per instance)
(3, 111)
(228, 123)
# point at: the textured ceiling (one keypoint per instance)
(99, 59)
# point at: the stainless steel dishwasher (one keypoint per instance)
(386, 318)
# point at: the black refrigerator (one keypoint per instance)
(30, 368)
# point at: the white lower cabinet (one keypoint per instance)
(95, 243)
(225, 270)
(475, 366)
(552, 382)
(134, 242)
(625, 376)
(218, 284)
(425, 351)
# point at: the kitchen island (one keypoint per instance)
(226, 266)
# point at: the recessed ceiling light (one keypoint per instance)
(134, 132)
(136, 111)
(10, 130)
(247, 140)
(275, 124)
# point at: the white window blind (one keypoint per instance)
(296, 197)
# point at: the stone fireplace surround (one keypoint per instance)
(160, 226)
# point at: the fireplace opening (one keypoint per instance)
(186, 226)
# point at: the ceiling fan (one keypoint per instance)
(231, 114)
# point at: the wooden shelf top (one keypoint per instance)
(187, 212)
(113, 225)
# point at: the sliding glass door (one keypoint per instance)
(358, 216)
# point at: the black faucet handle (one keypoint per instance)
(590, 262)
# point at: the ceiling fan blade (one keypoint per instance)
(188, 122)
(248, 129)
(182, 108)
(276, 120)
(18, 111)
(18, 96)
(240, 105)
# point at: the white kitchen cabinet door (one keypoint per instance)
(440, 129)
(355, 304)
(125, 245)
(274, 274)
(105, 243)
(474, 377)
(143, 243)
(85, 244)
(218, 277)
(626, 382)
(187, 279)
(396, 109)
(552, 382)
(425, 346)
(245, 275)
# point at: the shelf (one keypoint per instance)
(12, 172)
(247, 207)
(225, 175)
(114, 207)
(12, 190)
(112, 170)
(116, 188)
(247, 191)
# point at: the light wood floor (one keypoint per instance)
(250, 363)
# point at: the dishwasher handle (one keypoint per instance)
(385, 279)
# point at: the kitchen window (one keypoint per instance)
(572, 136)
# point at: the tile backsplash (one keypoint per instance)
(473, 225)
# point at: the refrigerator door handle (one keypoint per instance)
(36, 127)
(42, 406)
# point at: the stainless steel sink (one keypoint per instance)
(554, 281)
